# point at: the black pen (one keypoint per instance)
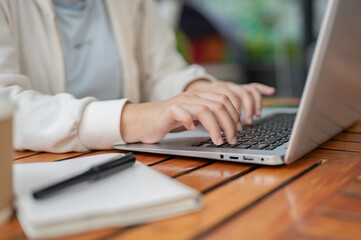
(93, 174)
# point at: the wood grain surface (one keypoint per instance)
(317, 197)
(291, 204)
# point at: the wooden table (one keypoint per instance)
(317, 197)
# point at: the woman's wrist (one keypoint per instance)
(129, 123)
(197, 84)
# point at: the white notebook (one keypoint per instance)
(133, 196)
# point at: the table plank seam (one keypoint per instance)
(121, 231)
(193, 169)
(256, 201)
(344, 140)
(356, 132)
(339, 150)
(160, 161)
(31, 155)
(75, 156)
(238, 175)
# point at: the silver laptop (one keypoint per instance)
(331, 102)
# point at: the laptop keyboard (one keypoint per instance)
(269, 134)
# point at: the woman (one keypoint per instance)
(89, 74)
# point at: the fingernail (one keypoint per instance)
(234, 140)
(239, 126)
(220, 141)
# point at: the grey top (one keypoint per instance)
(92, 63)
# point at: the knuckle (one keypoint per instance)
(202, 108)
(219, 107)
(255, 91)
(223, 98)
(173, 108)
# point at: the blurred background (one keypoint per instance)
(266, 41)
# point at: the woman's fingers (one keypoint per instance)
(219, 108)
(250, 96)
(247, 102)
(182, 116)
(257, 89)
(213, 115)
(232, 96)
(216, 106)
(223, 99)
(207, 119)
(257, 98)
(263, 89)
(221, 114)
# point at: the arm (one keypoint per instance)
(58, 123)
(164, 74)
(163, 69)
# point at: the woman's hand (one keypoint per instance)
(216, 105)
(248, 96)
(150, 122)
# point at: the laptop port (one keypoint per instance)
(248, 158)
(233, 158)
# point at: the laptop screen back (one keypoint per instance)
(332, 97)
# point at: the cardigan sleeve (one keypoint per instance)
(53, 123)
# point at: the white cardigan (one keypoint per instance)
(32, 74)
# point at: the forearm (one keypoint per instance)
(129, 123)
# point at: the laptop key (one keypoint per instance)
(259, 138)
(251, 142)
(241, 140)
(266, 135)
(240, 134)
(243, 146)
(277, 144)
(268, 141)
(248, 137)
(270, 148)
(259, 146)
